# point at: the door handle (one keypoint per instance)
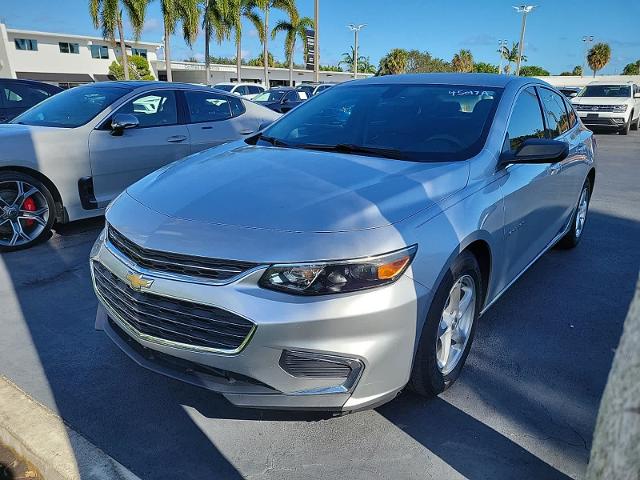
(177, 138)
(247, 132)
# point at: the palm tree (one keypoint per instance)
(599, 56)
(394, 62)
(462, 61)
(217, 18)
(173, 11)
(510, 55)
(107, 16)
(244, 9)
(289, 7)
(295, 28)
(364, 65)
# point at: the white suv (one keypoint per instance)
(609, 105)
(244, 90)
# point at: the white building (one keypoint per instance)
(67, 60)
(70, 60)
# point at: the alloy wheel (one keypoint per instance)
(456, 323)
(24, 213)
(581, 214)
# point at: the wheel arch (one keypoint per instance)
(61, 216)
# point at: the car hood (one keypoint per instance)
(599, 100)
(296, 190)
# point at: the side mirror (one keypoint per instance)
(573, 94)
(237, 93)
(536, 150)
(122, 121)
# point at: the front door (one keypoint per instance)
(117, 161)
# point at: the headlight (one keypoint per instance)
(619, 108)
(340, 276)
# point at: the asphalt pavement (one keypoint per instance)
(524, 407)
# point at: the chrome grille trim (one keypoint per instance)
(171, 322)
(594, 108)
(186, 267)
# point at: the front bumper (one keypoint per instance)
(374, 331)
(603, 119)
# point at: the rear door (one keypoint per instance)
(160, 138)
(215, 118)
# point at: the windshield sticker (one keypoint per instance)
(474, 93)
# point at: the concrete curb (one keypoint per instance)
(58, 452)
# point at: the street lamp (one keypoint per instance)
(355, 29)
(587, 39)
(502, 44)
(316, 41)
(524, 10)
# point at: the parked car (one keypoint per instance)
(312, 89)
(244, 90)
(16, 96)
(569, 92)
(281, 99)
(69, 156)
(349, 248)
(609, 106)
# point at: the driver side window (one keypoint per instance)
(153, 109)
(526, 120)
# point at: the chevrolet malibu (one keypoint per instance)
(349, 249)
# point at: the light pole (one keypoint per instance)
(587, 39)
(502, 44)
(316, 41)
(355, 29)
(524, 10)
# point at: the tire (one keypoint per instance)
(431, 376)
(626, 128)
(573, 236)
(27, 211)
(636, 124)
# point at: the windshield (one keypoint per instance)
(270, 96)
(226, 88)
(606, 91)
(71, 108)
(412, 122)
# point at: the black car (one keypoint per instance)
(17, 96)
(281, 99)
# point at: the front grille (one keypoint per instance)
(594, 108)
(303, 364)
(188, 265)
(178, 321)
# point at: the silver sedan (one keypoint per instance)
(348, 250)
(68, 157)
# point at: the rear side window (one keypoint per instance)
(22, 96)
(556, 113)
(208, 107)
(255, 89)
(237, 106)
(154, 109)
(526, 119)
(572, 114)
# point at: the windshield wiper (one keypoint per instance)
(356, 149)
(276, 142)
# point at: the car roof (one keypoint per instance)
(148, 85)
(602, 82)
(471, 79)
(29, 82)
(281, 89)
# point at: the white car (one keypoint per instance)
(244, 90)
(609, 105)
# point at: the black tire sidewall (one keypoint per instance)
(627, 127)
(571, 240)
(46, 232)
(426, 377)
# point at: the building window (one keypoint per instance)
(99, 51)
(66, 47)
(26, 44)
(139, 51)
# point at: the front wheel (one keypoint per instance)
(449, 328)
(636, 124)
(26, 211)
(627, 127)
(579, 219)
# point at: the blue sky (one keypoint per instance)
(554, 30)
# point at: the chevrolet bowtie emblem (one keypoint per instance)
(138, 282)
